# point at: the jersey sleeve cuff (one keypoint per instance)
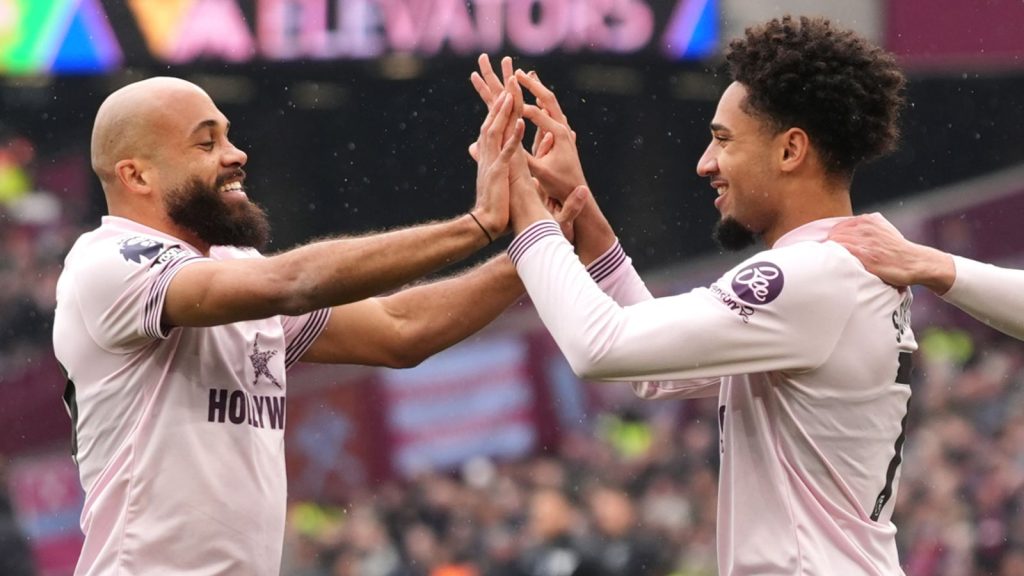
(608, 263)
(315, 324)
(152, 321)
(533, 234)
(965, 271)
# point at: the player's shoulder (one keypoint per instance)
(119, 249)
(806, 258)
(234, 253)
(800, 271)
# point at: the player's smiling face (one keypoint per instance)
(738, 164)
(201, 149)
(201, 176)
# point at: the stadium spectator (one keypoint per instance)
(15, 554)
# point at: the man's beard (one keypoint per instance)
(202, 210)
(732, 235)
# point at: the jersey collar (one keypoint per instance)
(137, 228)
(814, 231)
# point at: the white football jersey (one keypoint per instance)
(810, 358)
(179, 432)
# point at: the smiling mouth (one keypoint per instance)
(721, 189)
(235, 186)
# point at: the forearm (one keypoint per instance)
(593, 234)
(334, 272)
(991, 294)
(440, 314)
(932, 269)
(683, 337)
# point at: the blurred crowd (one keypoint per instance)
(43, 207)
(636, 497)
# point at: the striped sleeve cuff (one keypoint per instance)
(154, 310)
(606, 264)
(315, 324)
(527, 238)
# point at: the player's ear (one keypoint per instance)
(794, 145)
(133, 176)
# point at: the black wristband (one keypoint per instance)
(490, 239)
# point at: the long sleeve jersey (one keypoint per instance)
(809, 356)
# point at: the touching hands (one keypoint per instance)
(500, 137)
(529, 199)
(887, 254)
(554, 159)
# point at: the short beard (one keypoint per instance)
(732, 235)
(202, 210)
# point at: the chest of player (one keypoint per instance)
(247, 356)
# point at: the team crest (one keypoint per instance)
(261, 363)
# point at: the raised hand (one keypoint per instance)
(554, 164)
(495, 160)
(555, 161)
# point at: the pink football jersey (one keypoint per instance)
(179, 432)
(809, 356)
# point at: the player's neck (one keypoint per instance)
(808, 205)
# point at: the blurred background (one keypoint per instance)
(492, 458)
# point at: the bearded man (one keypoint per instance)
(175, 332)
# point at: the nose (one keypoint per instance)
(234, 156)
(708, 163)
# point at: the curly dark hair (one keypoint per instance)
(845, 92)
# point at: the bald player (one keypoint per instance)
(175, 333)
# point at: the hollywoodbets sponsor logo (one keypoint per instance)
(237, 407)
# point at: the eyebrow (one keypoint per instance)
(715, 127)
(211, 123)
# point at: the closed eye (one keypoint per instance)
(206, 145)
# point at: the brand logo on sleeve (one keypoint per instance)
(744, 311)
(136, 248)
(169, 254)
(758, 283)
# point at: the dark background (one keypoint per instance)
(344, 148)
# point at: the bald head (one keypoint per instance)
(132, 122)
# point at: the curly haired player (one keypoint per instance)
(808, 353)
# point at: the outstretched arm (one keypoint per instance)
(991, 294)
(335, 272)
(888, 255)
(404, 329)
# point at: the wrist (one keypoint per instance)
(528, 216)
(594, 234)
(486, 233)
(937, 270)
